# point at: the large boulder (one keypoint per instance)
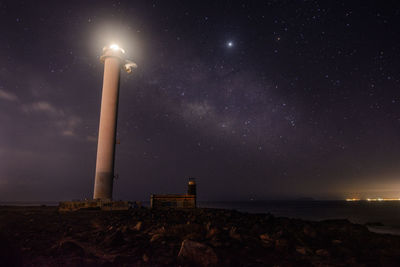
(113, 239)
(70, 246)
(197, 254)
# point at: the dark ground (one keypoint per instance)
(40, 236)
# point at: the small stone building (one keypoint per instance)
(175, 200)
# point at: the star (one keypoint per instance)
(229, 44)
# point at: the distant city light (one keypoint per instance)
(353, 199)
(373, 199)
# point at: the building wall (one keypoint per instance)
(173, 201)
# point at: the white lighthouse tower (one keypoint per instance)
(114, 60)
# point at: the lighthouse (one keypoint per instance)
(114, 60)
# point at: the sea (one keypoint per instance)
(380, 217)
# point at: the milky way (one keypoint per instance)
(274, 99)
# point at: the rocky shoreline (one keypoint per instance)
(41, 236)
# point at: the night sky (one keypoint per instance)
(255, 99)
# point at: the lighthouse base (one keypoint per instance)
(97, 204)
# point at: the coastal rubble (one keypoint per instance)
(41, 236)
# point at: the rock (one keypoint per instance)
(301, 250)
(196, 253)
(322, 252)
(145, 258)
(114, 239)
(216, 243)
(281, 243)
(193, 236)
(256, 229)
(208, 226)
(138, 226)
(155, 237)
(71, 247)
(212, 232)
(233, 234)
(160, 230)
(337, 242)
(308, 231)
(265, 238)
(278, 234)
(124, 229)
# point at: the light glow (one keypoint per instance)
(116, 47)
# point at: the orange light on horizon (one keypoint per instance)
(373, 199)
(353, 199)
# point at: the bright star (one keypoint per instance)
(230, 44)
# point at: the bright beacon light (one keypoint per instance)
(115, 47)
